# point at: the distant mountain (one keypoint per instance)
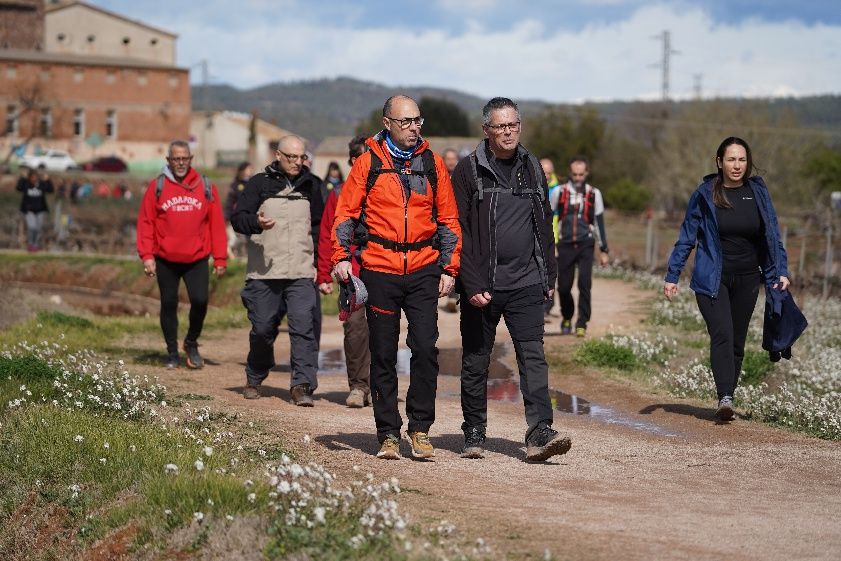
(316, 109)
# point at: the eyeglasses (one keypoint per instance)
(407, 122)
(295, 157)
(505, 127)
(181, 160)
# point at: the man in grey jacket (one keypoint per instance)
(507, 272)
(280, 212)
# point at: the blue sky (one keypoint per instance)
(564, 50)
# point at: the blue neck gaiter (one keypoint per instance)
(397, 152)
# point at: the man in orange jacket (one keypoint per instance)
(398, 203)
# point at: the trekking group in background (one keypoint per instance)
(495, 231)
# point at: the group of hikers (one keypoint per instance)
(407, 227)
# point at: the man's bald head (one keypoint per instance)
(291, 154)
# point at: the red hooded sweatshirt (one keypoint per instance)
(181, 225)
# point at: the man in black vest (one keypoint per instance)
(507, 271)
(580, 210)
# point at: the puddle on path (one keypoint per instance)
(503, 385)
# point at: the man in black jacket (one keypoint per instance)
(508, 271)
(280, 212)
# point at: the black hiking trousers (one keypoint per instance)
(571, 256)
(417, 294)
(196, 277)
(522, 310)
(727, 318)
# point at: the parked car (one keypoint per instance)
(106, 163)
(51, 160)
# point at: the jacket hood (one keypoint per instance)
(189, 179)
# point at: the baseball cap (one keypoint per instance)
(352, 296)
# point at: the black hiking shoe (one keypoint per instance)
(544, 442)
(474, 442)
(194, 359)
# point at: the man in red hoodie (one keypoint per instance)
(179, 225)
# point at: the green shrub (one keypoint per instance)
(626, 194)
(604, 354)
(59, 319)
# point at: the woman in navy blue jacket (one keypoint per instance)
(732, 225)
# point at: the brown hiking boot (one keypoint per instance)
(421, 446)
(358, 398)
(301, 395)
(251, 392)
(390, 448)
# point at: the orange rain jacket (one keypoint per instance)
(398, 215)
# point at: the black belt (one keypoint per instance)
(401, 247)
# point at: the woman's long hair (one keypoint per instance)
(719, 196)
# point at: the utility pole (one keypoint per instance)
(696, 87)
(665, 63)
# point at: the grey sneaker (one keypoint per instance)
(474, 442)
(194, 359)
(544, 442)
(302, 395)
(725, 409)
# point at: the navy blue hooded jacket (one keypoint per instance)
(699, 231)
(783, 324)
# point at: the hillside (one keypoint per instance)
(320, 108)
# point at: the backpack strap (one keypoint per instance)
(537, 172)
(563, 202)
(208, 190)
(476, 177)
(159, 186)
(428, 160)
(589, 204)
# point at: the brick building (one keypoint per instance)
(21, 24)
(102, 84)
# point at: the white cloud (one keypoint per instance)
(599, 61)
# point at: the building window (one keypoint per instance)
(142, 80)
(46, 129)
(79, 122)
(61, 37)
(111, 124)
(110, 77)
(91, 38)
(78, 75)
(173, 81)
(126, 40)
(45, 74)
(11, 120)
(153, 41)
(11, 71)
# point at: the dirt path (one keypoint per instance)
(648, 477)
